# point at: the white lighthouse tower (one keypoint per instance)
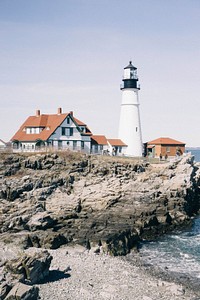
(129, 126)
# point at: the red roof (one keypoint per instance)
(78, 122)
(49, 123)
(165, 141)
(116, 142)
(99, 139)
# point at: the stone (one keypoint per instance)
(23, 292)
(4, 289)
(41, 220)
(72, 198)
(31, 268)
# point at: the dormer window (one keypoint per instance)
(33, 130)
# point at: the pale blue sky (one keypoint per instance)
(71, 54)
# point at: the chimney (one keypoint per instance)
(71, 113)
(59, 111)
(37, 113)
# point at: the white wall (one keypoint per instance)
(27, 146)
(58, 133)
(130, 126)
(96, 149)
(67, 141)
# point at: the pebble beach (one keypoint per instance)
(77, 273)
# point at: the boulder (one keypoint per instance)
(22, 291)
(30, 268)
(4, 289)
(41, 221)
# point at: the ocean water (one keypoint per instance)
(178, 252)
(196, 153)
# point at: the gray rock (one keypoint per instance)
(56, 199)
(4, 289)
(23, 292)
(30, 268)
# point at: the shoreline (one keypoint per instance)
(189, 282)
(77, 273)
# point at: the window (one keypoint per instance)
(96, 149)
(101, 147)
(120, 149)
(168, 149)
(68, 131)
(82, 145)
(34, 130)
(63, 130)
(68, 120)
(82, 129)
(74, 145)
(136, 129)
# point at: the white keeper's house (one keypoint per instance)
(57, 131)
(62, 131)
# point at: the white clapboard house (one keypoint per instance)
(56, 131)
(62, 131)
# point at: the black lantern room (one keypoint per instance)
(130, 79)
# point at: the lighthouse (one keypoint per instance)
(129, 126)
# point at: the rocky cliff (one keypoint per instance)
(47, 200)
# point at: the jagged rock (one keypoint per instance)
(4, 289)
(41, 220)
(29, 268)
(54, 199)
(23, 292)
(54, 241)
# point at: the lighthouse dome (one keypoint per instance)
(130, 66)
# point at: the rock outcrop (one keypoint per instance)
(20, 272)
(47, 200)
(23, 292)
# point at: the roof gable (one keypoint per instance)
(80, 123)
(165, 141)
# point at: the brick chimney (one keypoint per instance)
(59, 111)
(37, 113)
(71, 113)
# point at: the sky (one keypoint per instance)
(71, 54)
